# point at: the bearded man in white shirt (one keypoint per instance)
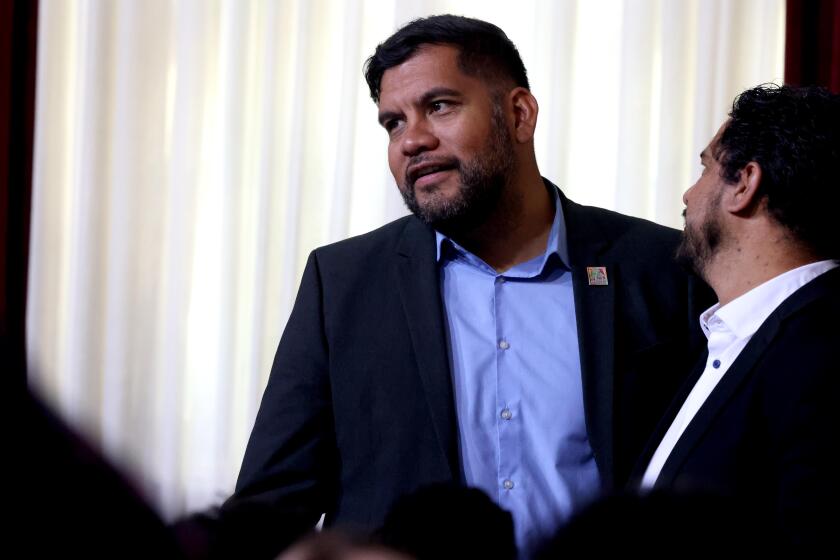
(758, 419)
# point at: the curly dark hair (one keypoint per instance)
(793, 134)
(485, 50)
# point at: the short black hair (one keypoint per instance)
(485, 50)
(793, 134)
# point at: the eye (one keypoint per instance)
(391, 125)
(440, 106)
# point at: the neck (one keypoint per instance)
(739, 268)
(518, 229)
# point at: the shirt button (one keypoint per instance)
(716, 364)
(503, 344)
(506, 414)
(508, 484)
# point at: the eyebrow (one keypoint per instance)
(424, 99)
(437, 92)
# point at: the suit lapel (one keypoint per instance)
(595, 314)
(419, 287)
(667, 419)
(714, 404)
(740, 371)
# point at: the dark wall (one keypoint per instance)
(18, 33)
(812, 43)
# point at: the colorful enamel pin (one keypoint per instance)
(597, 275)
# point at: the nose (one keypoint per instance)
(685, 195)
(418, 138)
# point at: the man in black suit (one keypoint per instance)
(757, 422)
(502, 336)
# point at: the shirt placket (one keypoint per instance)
(506, 412)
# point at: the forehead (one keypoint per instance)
(711, 149)
(431, 66)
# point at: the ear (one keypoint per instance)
(744, 195)
(525, 111)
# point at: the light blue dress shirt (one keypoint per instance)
(517, 384)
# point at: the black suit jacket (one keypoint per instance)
(767, 436)
(359, 407)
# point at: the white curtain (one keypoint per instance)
(190, 153)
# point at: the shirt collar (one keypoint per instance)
(745, 314)
(557, 242)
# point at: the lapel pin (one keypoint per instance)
(597, 275)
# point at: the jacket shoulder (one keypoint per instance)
(381, 241)
(621, 225)
(648, 243)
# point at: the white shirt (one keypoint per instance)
(728, 329)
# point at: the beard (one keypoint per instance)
(483, 181)
(699, 244)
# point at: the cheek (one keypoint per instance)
(464, 139)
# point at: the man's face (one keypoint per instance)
(450, 150)
(704, 231)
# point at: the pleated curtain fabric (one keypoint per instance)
(189, 154)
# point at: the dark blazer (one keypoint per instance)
(359, 407)
(768, 435)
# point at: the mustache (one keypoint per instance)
(422, 162)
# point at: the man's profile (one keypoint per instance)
(757, 420)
